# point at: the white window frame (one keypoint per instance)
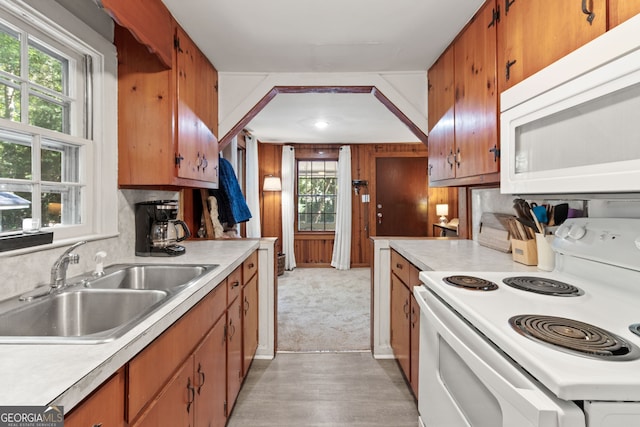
(98, 152)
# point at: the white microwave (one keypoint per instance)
(574, 127)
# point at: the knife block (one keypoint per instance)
(524, 251)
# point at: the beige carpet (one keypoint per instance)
(324, 309)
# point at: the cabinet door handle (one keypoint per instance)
(458, 158)
(191, 395)
(507, 5)
(507, 69)
(496, 153)
(495, 17)
(589, 13)
(399, 266)
(405, 309)
(246, 305)
(235, 284)
(252, 265)
(201, 377)
(449, 162)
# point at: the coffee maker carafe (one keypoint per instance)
(158, 230)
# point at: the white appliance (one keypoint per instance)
(572, 127)
(481, 367)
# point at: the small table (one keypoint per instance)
(440, 230)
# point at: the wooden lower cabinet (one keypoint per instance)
(209, 378)
(105, 407)
(414, 321)
(174, 405)
(400, 326)
(249, 323)
(234, 352)
(405, 318)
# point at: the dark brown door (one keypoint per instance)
(401, 196)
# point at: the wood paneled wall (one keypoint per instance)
(316, 250)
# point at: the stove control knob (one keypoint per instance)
(563, 231)
(577, 232)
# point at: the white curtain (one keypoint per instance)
(253, 187)
(341, 259)
(288, 205)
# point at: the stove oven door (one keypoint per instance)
(465, 381)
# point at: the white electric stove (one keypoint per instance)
(484, 355)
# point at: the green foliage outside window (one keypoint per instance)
(317, 192)
(47, 87)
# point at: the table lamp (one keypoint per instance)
(442, 211)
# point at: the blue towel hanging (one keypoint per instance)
(232, 206)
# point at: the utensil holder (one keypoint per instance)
(524, 251)
(546, 256)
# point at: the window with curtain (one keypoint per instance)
(316, 195)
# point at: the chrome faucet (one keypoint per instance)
(59, 269)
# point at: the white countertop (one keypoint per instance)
(454, 255)
(65, 374)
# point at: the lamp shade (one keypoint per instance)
(272, 183)
(442, 210)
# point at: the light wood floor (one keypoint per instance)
(324, 389)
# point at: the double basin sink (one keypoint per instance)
(96, 309)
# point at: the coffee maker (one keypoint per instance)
(157, 229)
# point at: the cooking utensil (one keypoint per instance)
(529, 226)
(560, 213)
(539, 228)
(540, 213)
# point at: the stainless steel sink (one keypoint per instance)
(80, 315)
(149, 276)
(96, 310)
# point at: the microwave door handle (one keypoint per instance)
(516, 393)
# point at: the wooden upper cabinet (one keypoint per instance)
(197, 148)
(165, 133)
(464, 137)
(476, 96)
(621, 10)
(440, 92)
(207, 100)
(535, 33)
(149, 21)
(441, 116)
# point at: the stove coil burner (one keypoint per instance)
(541, 285)
(574, 337)
(470, 282)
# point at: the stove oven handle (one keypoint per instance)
(517, 394)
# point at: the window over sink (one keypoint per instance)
(57, 124)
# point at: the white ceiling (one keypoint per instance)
(323, 36)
